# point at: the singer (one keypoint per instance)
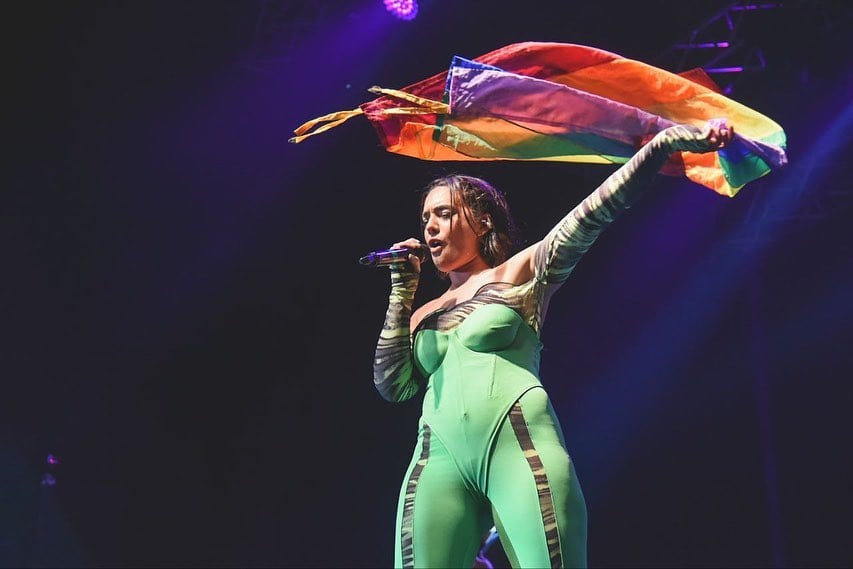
(489, 447)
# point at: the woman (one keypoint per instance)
(490, 447)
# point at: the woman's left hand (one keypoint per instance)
(718, 133)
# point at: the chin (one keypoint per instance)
(440, 265)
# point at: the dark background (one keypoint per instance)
(186, 328)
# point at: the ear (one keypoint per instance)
(487, 224)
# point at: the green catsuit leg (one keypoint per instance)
(538, 505)
(441, 521)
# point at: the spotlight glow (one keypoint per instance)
(403, 9)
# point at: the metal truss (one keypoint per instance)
(731, 47)
(723, 45)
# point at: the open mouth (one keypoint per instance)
(435, 246)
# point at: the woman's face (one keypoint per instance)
(453, 243)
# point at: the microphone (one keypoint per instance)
(387, 257)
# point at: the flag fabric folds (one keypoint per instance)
(565, 102)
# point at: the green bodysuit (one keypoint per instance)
(490, 448)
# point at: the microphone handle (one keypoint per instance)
(391, 256)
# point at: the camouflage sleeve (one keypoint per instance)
(394, 374)
(559, 252)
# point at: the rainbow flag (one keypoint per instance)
(565, 102)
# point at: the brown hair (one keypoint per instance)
(483, 202)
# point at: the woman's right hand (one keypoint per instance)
(414, 261)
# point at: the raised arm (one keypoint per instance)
(558, 253)
(394, 374)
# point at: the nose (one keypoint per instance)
(431, 226)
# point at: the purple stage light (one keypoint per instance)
(52, 460)
(703, 45)
(403, 9)
(733, 69)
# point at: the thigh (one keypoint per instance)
(538, 504)
(440, 522)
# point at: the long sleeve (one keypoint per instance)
(394, 374)
(565, 244)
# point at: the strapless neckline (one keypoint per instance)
(442, 309)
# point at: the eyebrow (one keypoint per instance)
(438, 207)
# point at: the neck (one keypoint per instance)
(462, 275)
